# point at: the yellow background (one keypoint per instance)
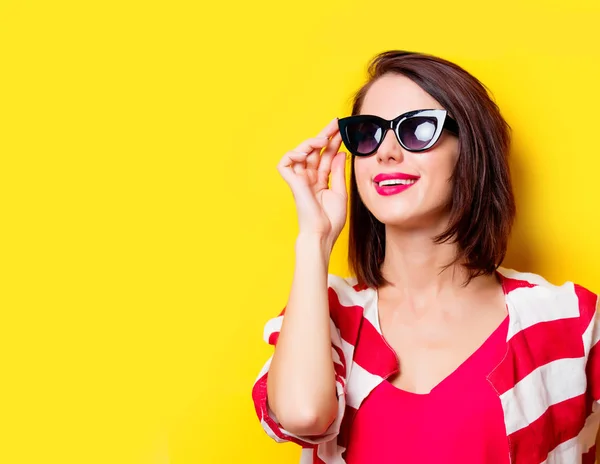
(147, 236)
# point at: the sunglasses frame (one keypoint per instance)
(443, 122)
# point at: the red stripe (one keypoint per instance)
(259, 397)
(587, 308)
(345, 426)
(559, 423)
(536, 346)
(593, 372)
(509, 284)
(360, 287)
(340, 373)
(373, 354)
(590, 456)
(340, 353)
(346, 318)
(273, 338)
(587, 305)
(316, 458)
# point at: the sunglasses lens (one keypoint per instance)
(416, 133)
(364, 137)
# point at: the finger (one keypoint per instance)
(327, 156)
(313, 147)
(313, 159)
(292, 157)
(322, 162)
(296, 162)
(312, 144)
(330, 129)
(321, 141)
(286, 165)
(299, 168)
(338, 174)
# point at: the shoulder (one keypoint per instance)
(347, 290)
(349, 302)
(514, 279)
(532, 296)
(342, 285)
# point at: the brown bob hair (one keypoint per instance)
(482, 205)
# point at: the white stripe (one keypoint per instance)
(568, 452)
(571, 450)
(270, 432)
(331, 453)
(347, 296)
(306, 456)
(272, 325)
(371, 308)
(525, 276)
(334, 334)
(530, 306)
(348, 351)
(265, 369)
(360, 384)
(339, 282)
(591, 336)
(547, 385)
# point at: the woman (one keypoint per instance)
(432, 352)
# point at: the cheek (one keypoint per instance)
(362, 173)
(437, 176)
(440, 175)
(440, 166)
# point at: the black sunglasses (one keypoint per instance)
(416, 130)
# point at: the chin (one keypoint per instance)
(413, 218)
(398, 218)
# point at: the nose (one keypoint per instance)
(390, 150)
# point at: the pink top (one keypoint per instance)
(459, 421)
(548, 380)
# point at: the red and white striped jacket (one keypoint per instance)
(548, 382)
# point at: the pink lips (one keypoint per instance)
(393, 189)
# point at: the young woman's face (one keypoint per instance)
(426, 202)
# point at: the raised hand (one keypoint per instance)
(321, 207)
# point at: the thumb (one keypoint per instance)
(338, 174)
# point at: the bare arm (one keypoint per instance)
(301, 382)
(301, 385)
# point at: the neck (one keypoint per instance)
(414, 266)
(413, 260)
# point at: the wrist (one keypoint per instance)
(309, 244)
